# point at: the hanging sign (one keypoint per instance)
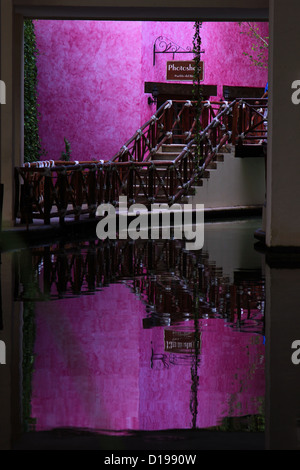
(183, 70)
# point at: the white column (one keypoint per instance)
(283, 159)
(11, 371)
(282, 360)
(12, 124)
(6, 109)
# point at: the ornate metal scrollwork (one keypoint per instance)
(163, 45)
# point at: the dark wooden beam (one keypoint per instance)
(232, 92)
(250, 151)
(179, 90)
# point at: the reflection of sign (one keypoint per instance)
(183, 70)
(183, 342)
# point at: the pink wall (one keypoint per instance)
(93, 368)
(224, 61)
(91, 77)
(89, 86)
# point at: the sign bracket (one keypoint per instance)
(163, 45)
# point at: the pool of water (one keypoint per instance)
(127, 336)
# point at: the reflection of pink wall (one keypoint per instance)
(231, 379)
(93, 368)
(91, 77)
(87, 362)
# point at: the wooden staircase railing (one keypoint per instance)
(166, 126)
(47, 190)
(250, 117)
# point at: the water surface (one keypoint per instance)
(125, 336)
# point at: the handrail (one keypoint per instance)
(204, 132)
(227, 107)
(250, 121)
(66, 188)
(159, 129)
(138, 132)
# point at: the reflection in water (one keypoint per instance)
(141, 336)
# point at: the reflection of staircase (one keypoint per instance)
(173, 283)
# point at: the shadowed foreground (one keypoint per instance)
(164, 440)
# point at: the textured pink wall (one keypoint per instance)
(224, 61)
(93, 368)
(91, 77)
(89, 86)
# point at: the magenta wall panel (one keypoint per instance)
(92, 74)
(93, 368)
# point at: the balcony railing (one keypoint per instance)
(59, 189)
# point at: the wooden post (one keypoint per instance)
(235, 120)
(47, 199)
(78, 192)
(131, 183)
(171, 176)
(151, 182)
(185, 169)
(91, 194)
(62, 191)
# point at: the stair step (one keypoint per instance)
(227, 148)
(212, 166)
(219, 157)
(145, 201)
(159, 169)
(173, 148)
(165, 156)
(161, 163)
(193, 187)
(186, 199)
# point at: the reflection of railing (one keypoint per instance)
(171, 281)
